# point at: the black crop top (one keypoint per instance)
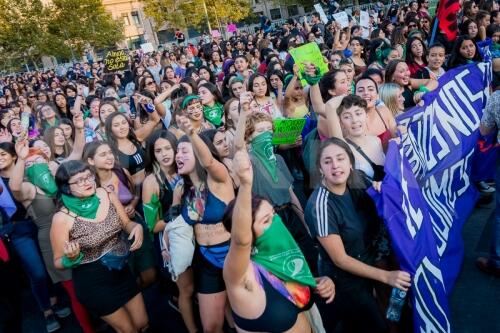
(133, 163)
(279, 315)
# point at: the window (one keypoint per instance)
(293, 10)
(275, 13)
(126, 19)
(136, 18)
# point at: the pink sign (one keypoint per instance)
(231, 27)
(216, 34)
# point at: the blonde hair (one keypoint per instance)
(253, 119)
(388, 93)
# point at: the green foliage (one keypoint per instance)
(62, 28)
(181, 14)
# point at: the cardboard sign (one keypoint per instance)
(115, 61)
(321, 13)
(364, 21)
(308, 53)
(286, 131)
(342, 19)
(147, 47)
(231, 27)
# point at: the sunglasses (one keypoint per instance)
(150, 83)
(32, 96)
(412, 26)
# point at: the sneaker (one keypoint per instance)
(483, 187)
(61, 311)
(51, 324)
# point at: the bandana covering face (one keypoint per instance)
(214, 114)
(262, 148)
(282, 263)
(84, 207)
(39, 175)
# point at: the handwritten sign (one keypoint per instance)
(308, 54)
(147, 47)
(286, 131)
(115, 61)
(321, 13)
(342, 19)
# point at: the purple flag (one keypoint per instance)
(427, 194)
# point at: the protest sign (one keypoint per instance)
(342, 19)
(364, 21)
(216, 34)
(115, 61)
(286, 131)
(321, 13)
(231, 27)
(147, 47)
(308, 53)
(427, 193)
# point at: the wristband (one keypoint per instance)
(70, 263)
(423, 89)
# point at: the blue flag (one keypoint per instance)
(6, 202)
(427, 193)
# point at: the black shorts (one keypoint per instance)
(207, 277)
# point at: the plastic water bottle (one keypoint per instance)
(396, 304)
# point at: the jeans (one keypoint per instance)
(495, 241)
(24, 242)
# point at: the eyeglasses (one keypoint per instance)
(81, 181)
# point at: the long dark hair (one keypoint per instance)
(227, 218)
(111, 137)
(253, 77)
(390, 69)
(208, 137)
(410, 58)
(327, 83)
(150, 162)
(456, 58)
(201, 172)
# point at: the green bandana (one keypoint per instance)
(152, 211)
(39, 175)
(188, 99)
(277, 252)
(84, 207)
(262, 148)
(214, 114)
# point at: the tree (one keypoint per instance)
(181, 14)
(62, 28)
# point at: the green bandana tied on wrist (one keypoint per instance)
(40, 176)
(152, 212)
(262, 148)
(310, 79)
(214, 113)
(84, 207)
(278, 253)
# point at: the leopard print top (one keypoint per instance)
(97, 238)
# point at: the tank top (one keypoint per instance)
(386, 135)
(300, 111)
(133, 163)
(96, 238)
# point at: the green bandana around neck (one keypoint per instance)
(277, 252)
(152, 212)
(39, 175)
(84, 207)
(262, 148)
(214, 113)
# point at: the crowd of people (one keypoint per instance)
(166, 171)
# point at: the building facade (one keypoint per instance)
(138, 29)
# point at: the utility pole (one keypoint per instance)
(206, 15)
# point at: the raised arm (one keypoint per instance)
(216, 170)
(77, 151)
(21, 191)
(239, 137)
(333, 121)
(238, 257)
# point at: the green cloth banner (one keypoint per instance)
(286, 131)
(308, 53)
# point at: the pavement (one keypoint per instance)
(474, 303)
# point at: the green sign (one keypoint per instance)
(115, 61)
(306, 54)
(286, 131)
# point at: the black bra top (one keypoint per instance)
(279, 315)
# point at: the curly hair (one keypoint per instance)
(253, 119)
